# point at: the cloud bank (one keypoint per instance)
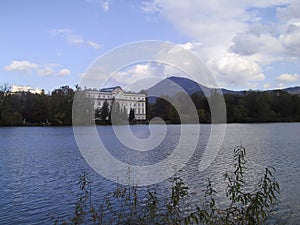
(238, 39)
(25, 66)
(74, 39)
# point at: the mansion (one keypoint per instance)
(17, 89)
(126, 100)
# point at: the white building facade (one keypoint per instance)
(17, 89)
(126, 100)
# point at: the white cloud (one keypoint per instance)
(288, 77)
(210, 23)
(134, 73)
(150, 7)
(72, 38)
(234, 70)
(191, 46)
(94, 44)
(291, 39)
(262, 48)
(267, 86)
(251, 85)
(266, 44)
(138, 76)
(289, 12)
(239, 27)
(281, 85)
(22, 66)
(145, 75)
(269, 46)
(64, 72)
(26, 66)
(105, 5)
(213, 22)
(46, 70)
(69, 35)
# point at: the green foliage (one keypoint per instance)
(103, 114)
(61, 102)
(118, 115)
(131, 115)
(104, 111)
(268, 106)
(25, 108)
(245, 207)
(83, 108)
(138, 205)
(248, 107)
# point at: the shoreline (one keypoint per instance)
(147, 123)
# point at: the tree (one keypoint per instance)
(10, 113)
(124, 115)
(83, 108)
(104, 112)
(4, 92)
(97, 113)
(283, 104)
(201, 103)
(217, 106)
(131, 115)
(61, 106)
(161, 108)
(203, 117)
(116, 115)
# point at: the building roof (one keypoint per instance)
(23, 88)
(110, 89)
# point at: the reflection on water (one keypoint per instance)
(40, 167)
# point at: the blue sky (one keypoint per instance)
(248, 44)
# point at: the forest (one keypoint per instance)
(248, 107)
(55, 108)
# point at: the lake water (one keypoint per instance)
(40, 166)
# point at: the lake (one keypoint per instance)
(40, 166)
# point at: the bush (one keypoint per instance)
(125, 206)
(244, 207)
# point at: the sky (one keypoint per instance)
(247, 44)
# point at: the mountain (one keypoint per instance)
(293, 90)
(172, 85)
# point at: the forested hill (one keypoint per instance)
(293, 90)
(242, 106)
(167, 87)
(245, 106)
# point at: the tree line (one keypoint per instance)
(248, 107)
(113, 114)
(56, 108)
(24, 108)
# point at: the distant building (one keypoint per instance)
(23, 88)
(126, 100)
